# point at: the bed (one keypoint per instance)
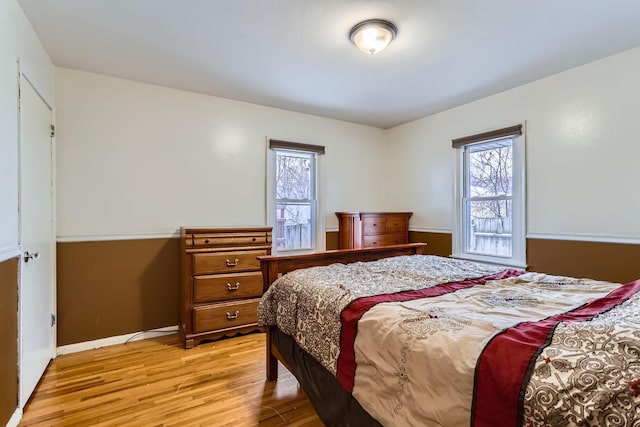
(389, 336)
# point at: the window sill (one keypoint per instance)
(290, 252)
(491, 260)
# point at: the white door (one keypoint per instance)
(36, 239)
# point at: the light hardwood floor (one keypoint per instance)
(156, 382)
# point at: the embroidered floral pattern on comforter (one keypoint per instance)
(588, 372)
(306, 304)
(429, 361)
(531, 348)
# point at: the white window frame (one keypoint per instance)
(317, 238)
(519, 243)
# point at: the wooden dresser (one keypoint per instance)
(369, 229)
(221, 281)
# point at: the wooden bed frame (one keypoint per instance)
(274, 266)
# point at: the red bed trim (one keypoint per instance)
(498, 385)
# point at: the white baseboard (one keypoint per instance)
(15, 418)
(120, 339)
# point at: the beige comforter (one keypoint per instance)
(447, 358)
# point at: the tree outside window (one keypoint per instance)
(295, 188)
(488, 198)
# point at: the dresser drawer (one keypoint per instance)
(225, 315)
(384, 240)
(373, 224)
(396, 224)
(221, 281)
(220, 287)
(226, 262)
(202, 240)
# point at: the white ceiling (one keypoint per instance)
(296, 55)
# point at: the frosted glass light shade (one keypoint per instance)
(372, 36)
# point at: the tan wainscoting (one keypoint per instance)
(111, 288)
(437, 243)
(615, 262)
(8, 339)
(332, 240)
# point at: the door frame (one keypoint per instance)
(24, 73)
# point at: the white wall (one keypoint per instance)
(583, 152)
(137, 159)
(17, 41)
(140, 159)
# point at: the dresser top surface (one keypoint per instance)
(375, 213)
(224, 229)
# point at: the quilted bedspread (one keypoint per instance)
(423, 340)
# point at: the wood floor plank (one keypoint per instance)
(156, 382)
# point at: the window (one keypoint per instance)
(294, 201)
(490, 224)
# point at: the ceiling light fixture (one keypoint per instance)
(373, 35)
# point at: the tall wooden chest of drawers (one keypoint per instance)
(370, 229)
(221, 281)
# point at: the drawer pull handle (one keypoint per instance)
(206, 241)
(232, 264)
(232, 316)
(232, 287)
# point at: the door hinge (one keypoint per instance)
(53, 131)
(53, 319)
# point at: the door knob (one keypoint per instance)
(28, 256)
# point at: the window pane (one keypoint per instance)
(293, 175)
(488, 227)
(294, 229)
(490, 170)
